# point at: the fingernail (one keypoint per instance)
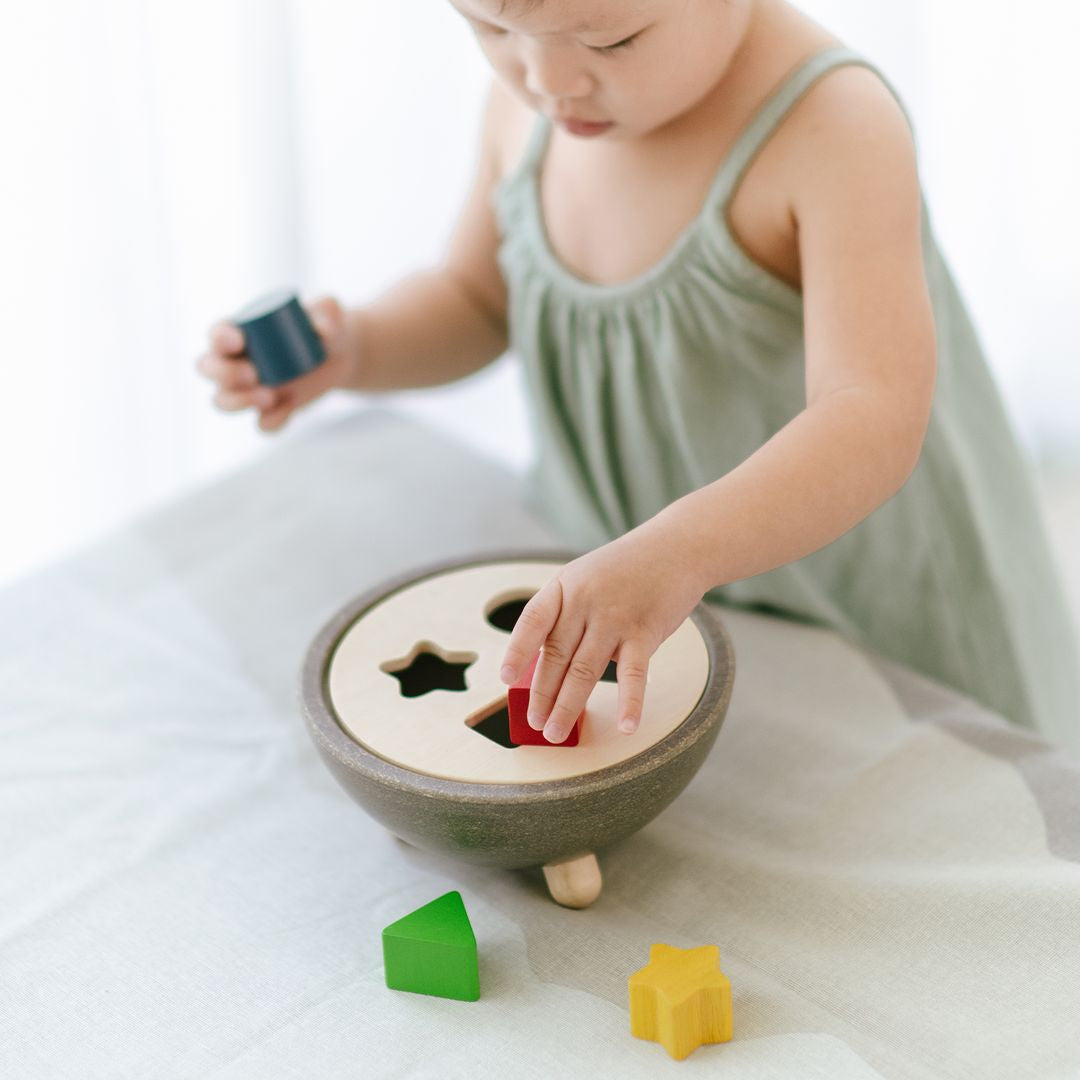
(628, 724)
(535, 720)
(552, 735)
(507, 673)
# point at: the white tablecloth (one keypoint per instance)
(891, 874)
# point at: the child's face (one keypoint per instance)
(635, 64)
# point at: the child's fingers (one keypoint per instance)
(582, 675)
(557, 658)
(227, 338)
(632, 669)
(536, 621)
(228, 374)
(275, 417)
(259, 397)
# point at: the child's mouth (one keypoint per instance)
(582, 127)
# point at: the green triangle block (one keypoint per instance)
(433, 951)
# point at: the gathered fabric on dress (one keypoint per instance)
(644, 391)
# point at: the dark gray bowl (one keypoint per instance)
(514, 825)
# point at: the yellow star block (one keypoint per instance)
(681, 999)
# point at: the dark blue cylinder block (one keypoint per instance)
(279, 337)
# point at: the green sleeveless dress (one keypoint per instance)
(643, 391)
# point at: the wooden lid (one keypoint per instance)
(446, 615)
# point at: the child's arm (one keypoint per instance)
(870, 365)
(430, 328)
(433, 327)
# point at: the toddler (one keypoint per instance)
(699, 224)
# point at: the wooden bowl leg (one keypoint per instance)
(574, 883)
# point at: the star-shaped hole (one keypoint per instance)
(428, 667)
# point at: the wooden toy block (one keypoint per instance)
(433, 951)
(517, 701)
(681, 999)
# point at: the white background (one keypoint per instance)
(165, 162)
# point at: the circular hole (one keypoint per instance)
(504, 611)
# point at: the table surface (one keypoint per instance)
(892, 875)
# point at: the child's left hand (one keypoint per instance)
(617, 602)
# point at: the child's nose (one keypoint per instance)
(555, 72)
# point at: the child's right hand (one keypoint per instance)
(226, 364)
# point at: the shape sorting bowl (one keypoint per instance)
(402, 697)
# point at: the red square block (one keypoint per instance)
(517, 702)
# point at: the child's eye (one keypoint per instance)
(624, 44)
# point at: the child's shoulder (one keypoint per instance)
(847, 116)
(849, 101)
(845, 142)
(510, 123)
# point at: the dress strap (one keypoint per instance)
(776, 108)
(529, 161)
